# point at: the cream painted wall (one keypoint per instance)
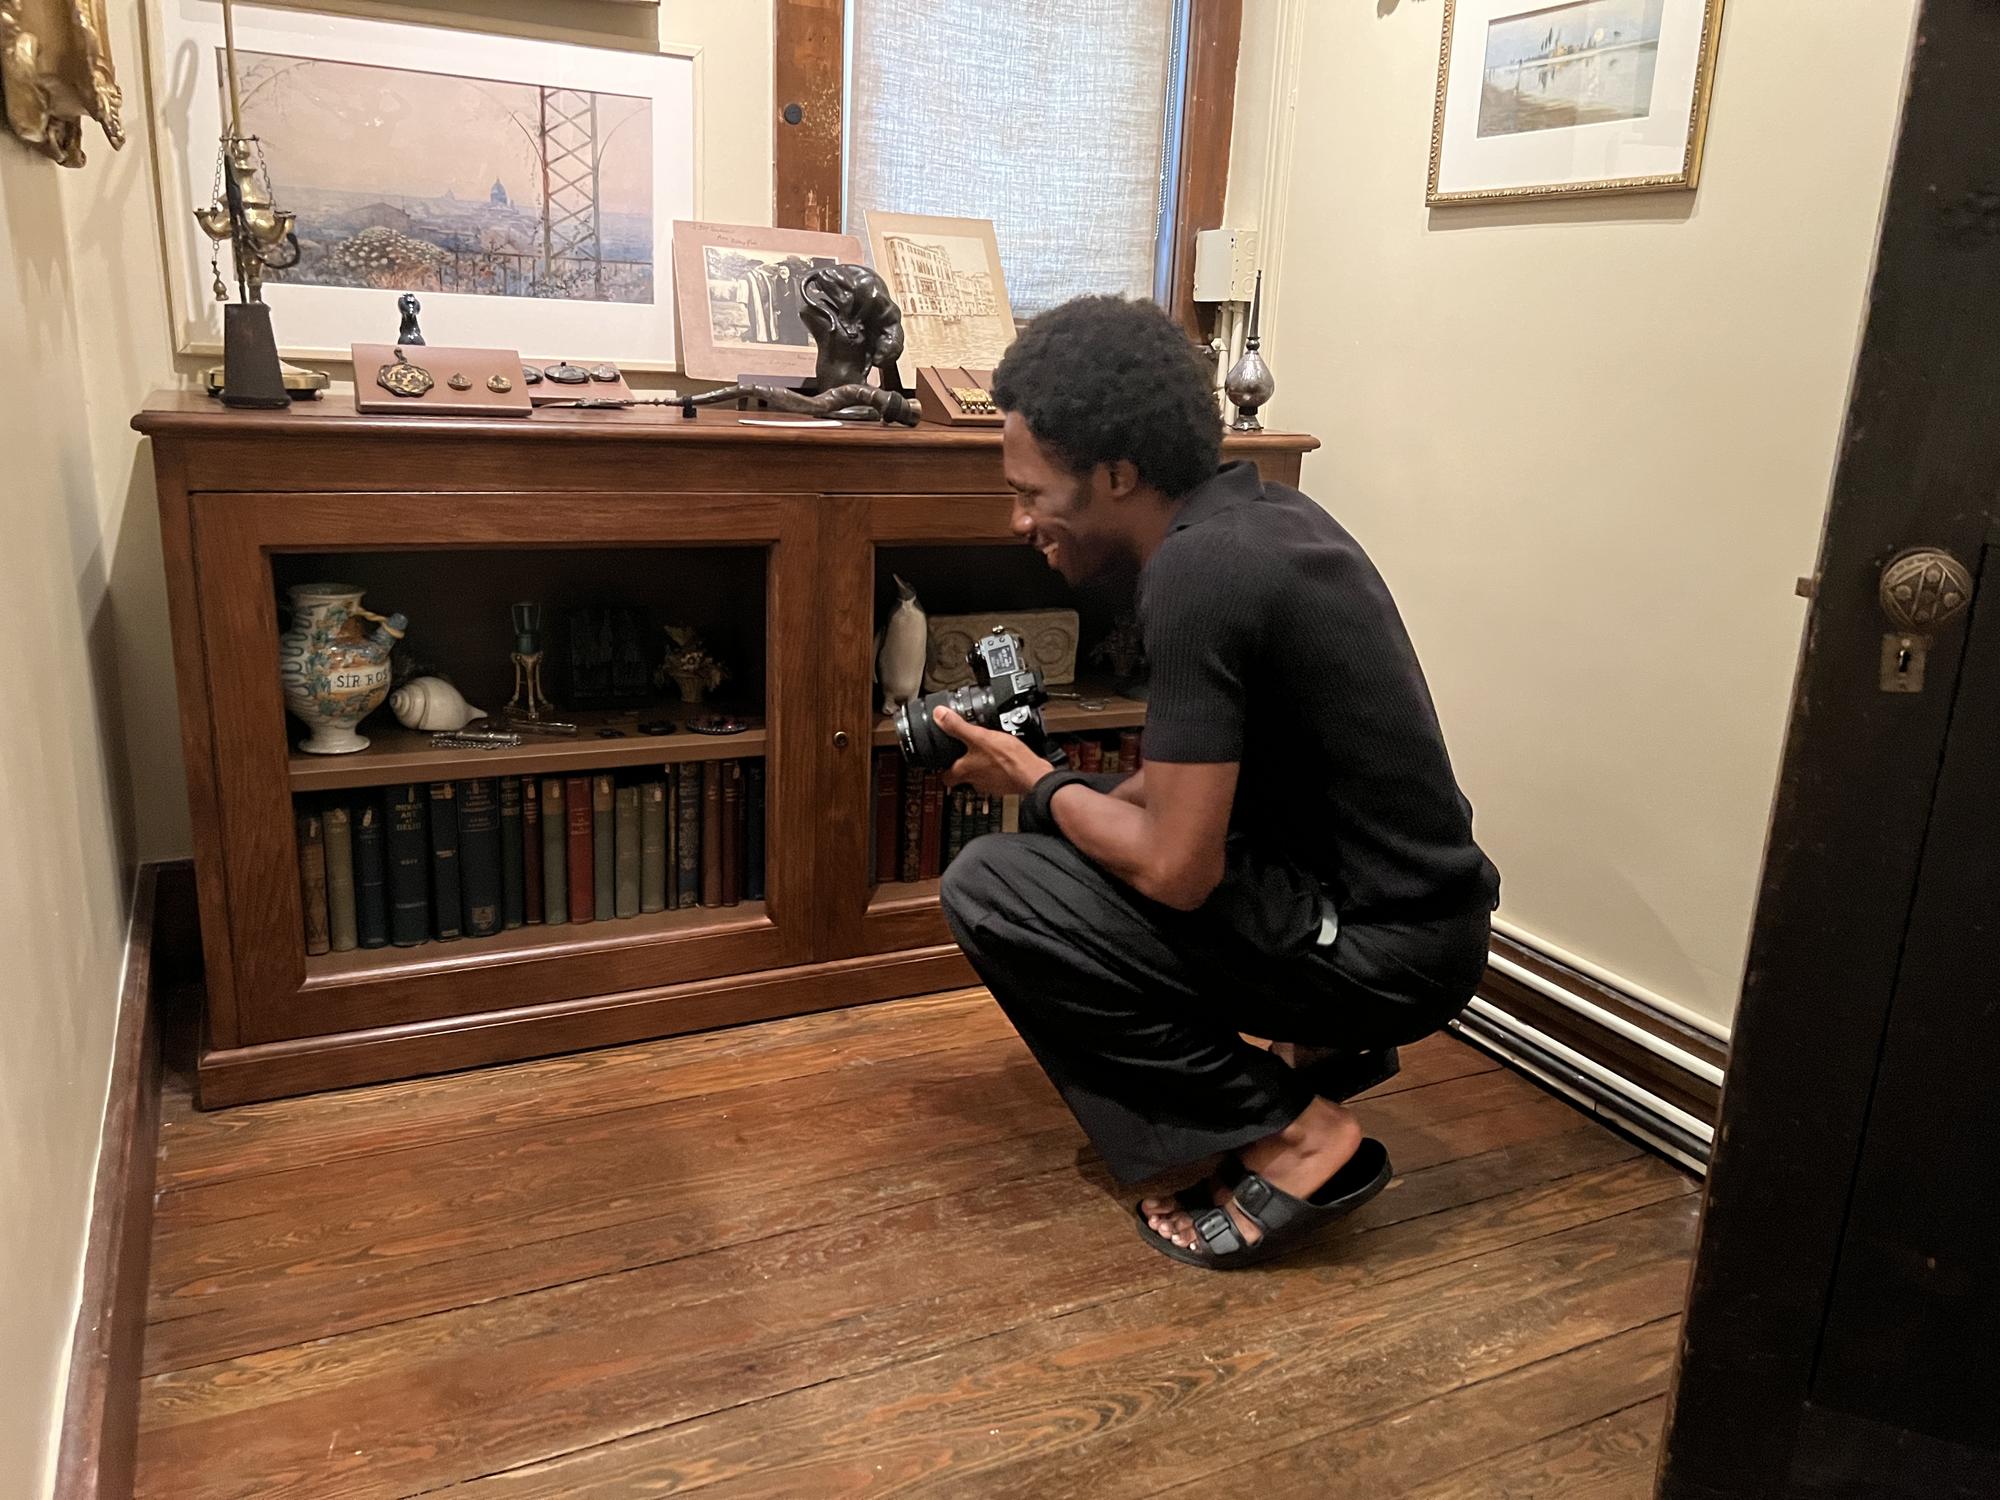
(63, 802)
(1590, 446)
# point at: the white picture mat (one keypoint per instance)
(321, 322)
(1615, 150)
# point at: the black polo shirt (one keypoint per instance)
(1273, 642)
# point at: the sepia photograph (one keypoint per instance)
(945, 275)
(739, 288)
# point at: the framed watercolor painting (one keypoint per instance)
(1554, 100)
(945, 275)
(738, 292)
(523, 189)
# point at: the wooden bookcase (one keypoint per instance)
(786, 537)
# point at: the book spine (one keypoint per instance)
(994, 816)
(531, 851)
(513, 857)
(687, 835)
(910, 865)
(753, 860)
(1113, 758)
(312, 881)
(447, 914)
(625, 825)
(956, 810)
(1129, 755)
(603, 847)
(1010, 814)
(671, 783)
(653, 846)
(1090, 757)
(340, 918)
(555, 853)
(888, 806)
(711, 833)
(582, 866)
(933, 820)
(371, 906)
(479, 857)
(406, 842)
(734, 832)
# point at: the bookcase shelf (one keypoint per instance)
(541, 941)
(397, 754)
(779, 546)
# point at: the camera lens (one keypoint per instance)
(920, 739)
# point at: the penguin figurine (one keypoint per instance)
(899, 667)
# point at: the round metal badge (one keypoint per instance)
(460, 382)
(567, 374)
(499, 384)
(403, 378)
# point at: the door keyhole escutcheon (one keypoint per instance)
(1920, 589)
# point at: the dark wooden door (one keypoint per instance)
(1843, 1330)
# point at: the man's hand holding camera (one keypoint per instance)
(994, 763)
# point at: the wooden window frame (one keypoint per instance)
(809, 103)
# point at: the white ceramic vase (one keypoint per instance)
(334, 670)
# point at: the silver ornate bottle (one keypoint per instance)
(1249, 383)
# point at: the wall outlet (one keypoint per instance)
(1225, 264)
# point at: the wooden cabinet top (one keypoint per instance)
(326, 444)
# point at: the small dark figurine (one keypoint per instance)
(858, 328)
(409, 306)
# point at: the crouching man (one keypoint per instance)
(1294, 861)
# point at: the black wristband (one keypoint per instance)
(1037, 813)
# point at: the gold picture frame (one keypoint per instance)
(1502, 149)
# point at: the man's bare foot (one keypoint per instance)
(1300, 1159)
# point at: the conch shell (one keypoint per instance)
(431, 704)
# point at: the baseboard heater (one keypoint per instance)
(1655, 1122)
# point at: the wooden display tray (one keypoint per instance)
(443, 362)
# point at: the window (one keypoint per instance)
(1061, 123)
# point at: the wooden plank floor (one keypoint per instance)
(868, 1253)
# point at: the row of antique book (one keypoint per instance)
(921, 824)
(431, 861)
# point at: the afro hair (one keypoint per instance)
(1101, 379)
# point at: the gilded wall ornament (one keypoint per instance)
(55, 71)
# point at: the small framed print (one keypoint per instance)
(1556, 100)
(740, 297)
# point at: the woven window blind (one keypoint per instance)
(1046, 118)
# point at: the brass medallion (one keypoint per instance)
(499, 384)
(460, 382)
(403, 378)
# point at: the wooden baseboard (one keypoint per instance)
(1567, 1030)
(101, 1405)
(270, 1070)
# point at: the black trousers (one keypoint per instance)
(1134, 1009)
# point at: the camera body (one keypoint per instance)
(1006, 694)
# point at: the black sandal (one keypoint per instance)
(1287, 1222)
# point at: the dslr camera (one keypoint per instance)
(1006, 694)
